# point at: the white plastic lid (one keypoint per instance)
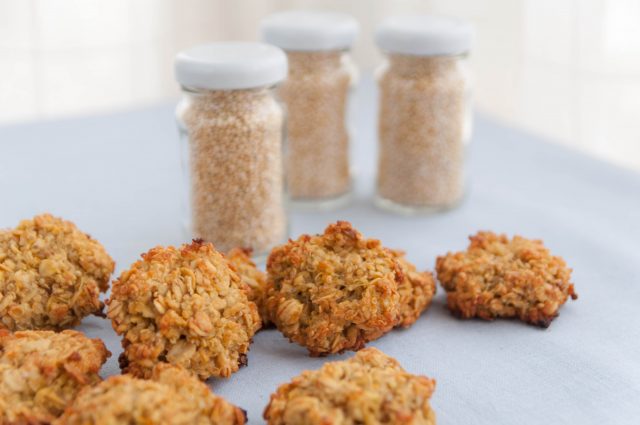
(309, 30)
(424, 35)
(230, 65)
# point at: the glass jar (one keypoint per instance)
(232, 130)
(424, 113)
(316, 93)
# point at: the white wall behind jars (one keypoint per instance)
(567, 69)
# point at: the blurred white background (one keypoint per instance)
(566, 69)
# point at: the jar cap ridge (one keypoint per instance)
(230, 66)
(424, 35)
(308, 30)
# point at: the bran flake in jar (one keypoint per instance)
(316, 94)
(421, 131)
(236, 168)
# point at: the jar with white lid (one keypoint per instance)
(424, 116)
(316, 94)
(232, 131)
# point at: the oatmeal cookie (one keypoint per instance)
(255, 279)
(184, 306)
(369, 388)
(171, 396)
(501, 277)
(51, 275)
(333, 292)
(41, 372)
(416, 291)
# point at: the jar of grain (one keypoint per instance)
(316, 93)
(232, 134)
(424, 113)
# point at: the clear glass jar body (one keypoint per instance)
(423, 127)
(232, 144)
(316, 94)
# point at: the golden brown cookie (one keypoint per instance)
(184, 306)
(41, 372)
(333, 292)
(501, 277)
(255, 279)
(416, 291)
(369, 388)
(171, 396)
(51, 275)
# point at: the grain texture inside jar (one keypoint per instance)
(316, 95)
(421, 126)
(236, 168)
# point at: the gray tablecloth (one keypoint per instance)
(118, 178)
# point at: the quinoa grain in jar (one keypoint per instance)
(424, 113)
(232, 131)
(316, 93)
